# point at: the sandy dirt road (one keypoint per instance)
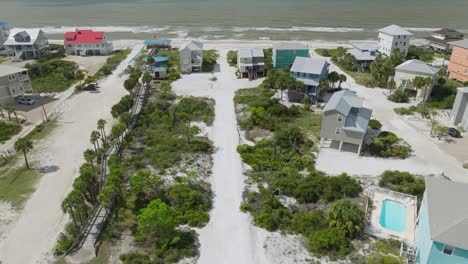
(34, 234)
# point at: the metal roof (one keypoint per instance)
(250, 53)
(460, 43)
(32, 32)
(193, 45)
(309, 65)
(463, 90)
(290, 46)
(365, 46)
(395, 30)
(158, 41)
(445, 31)
(361, 55)
(447, 211)
(8, 70)
(417, 66)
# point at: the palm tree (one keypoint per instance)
(25, 145)
(89, 156)
(147, 78)
(101, 124)
(94, 139)
(9, 110)
(129, 84)
(333, 77)
(341, 78)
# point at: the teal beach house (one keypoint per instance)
(284, 54)
(442, 225)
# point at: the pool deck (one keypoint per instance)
(376, 229)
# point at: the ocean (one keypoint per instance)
(236, 19)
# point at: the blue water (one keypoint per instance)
(393, 216)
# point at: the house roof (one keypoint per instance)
(460, 43)
(417, 66)
(8, 70)
(159, 69)
(290, 46)
(445, 31)
(84, 36)
(463, 90)
(361, 55)
(309, 65)
(395, 30)
(157, 41)
(349, 105)
(249, 53)
(33, 33)
(447, 211)
(364, 46)
(193, 45)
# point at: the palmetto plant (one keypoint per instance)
(24, 145)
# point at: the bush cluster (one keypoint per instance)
(399, 96)
(388, 145)
(8, 130)
(52, 75)
(404, 182)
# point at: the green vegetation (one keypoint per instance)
(375, 124)
(377, 258)
(387, 247)
(57, 52)
(3, 59)
(443, 93)
(404, 182)
(382, 68)
(281, 80)
(52, 75)
(423, 54)
(112, 62)
(17, 184)
(399, 96)
(268, 59)
(232, 58)
(209, 60)
(173, 72)
(327, 52)
(388, 145)
(8, 130)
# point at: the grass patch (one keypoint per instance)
(3, 59)
(112, 62)
(326, 52)
(42, 130)
(52, 75)
(173, 71)
(8, 130)
(17, 184)
(389, 246)
(103, 255)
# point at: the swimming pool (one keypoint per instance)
(393, 216)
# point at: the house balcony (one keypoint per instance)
(23, 77)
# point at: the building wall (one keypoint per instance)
(458, 66)
(185, 60)
(399, 78)
(423, 240)
(3, 36)
(104, 48)
(387, 43)
(283, 59)
(436, 256)
(459, 114)
(330, 124)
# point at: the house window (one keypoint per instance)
(448, 250)
(338, 131)
(340, 118)
(11, 77)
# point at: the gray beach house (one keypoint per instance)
(459, 116)
(251, 63)
(345, 122)
(27, 44)
(191, 57)
(309, 71)
(14, 81)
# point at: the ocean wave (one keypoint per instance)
(421, 29)
(139, 29)
(294, 29)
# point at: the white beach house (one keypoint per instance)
(87, 42)
(27, 44)
(191, 57)
(408, 70)
(393, 37)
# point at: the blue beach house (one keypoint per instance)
(284, 54)
(310, 71)
(442, 225)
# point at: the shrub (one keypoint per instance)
(8, 130)
(387, 144)
(377, 258)
(347, 217)
(404, 182)
(399, 96)
(375, 124)
(232, 58)
(52, 75)
(340, 187)
(331, 241)
(309, 222)
(209, 60)
(135, 258)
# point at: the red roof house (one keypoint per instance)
(86, 42)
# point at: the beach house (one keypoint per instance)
(191, 57)
(251, 63)
(459, 115)
(309, 71)
(458, 66)
(439, 39)
(442, 223)
(408, 70)
(157, 43)
(14, 82)
(364, 53)
(27, 44)
(284, 54)
(86, 42)
(3, 33)
(345, 122)
(393, 37)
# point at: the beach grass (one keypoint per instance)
(3, 59)
(326, 52)
(112, 62)
(52, 75)
(8, 130)
(16, 184)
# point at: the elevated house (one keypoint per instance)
(459, 115)
(408, 70)
(309, 71)
(365, 54)
(85, 42)
(439, 40)
(14, 82)
(393, 37)
(458, 66)
(442, 224)
(284, 54)
(251, 63)
(27, 44)
(345, 122)
(159, 66)
(191, 57)
(4, 32)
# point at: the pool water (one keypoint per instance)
(393, 216)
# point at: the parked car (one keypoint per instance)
(89, 87)
(26, 101)
(453, 132)
(95, 84)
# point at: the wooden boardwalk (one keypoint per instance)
(84, 248)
